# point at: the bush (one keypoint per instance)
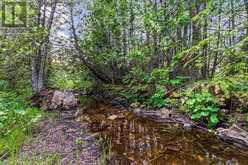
(3, 84)
(67, 80)
(203, 107)
(157, 99)
(16, 119)
(150, 88)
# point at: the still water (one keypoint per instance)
(129, 139)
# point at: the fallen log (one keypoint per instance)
(234, 135)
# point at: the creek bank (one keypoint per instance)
(57, 100)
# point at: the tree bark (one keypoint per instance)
(38, 61)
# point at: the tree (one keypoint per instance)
(39, 59)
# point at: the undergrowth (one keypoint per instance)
(202, 100)
(16, 120)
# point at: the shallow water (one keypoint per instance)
(135, 140)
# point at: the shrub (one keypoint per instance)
(203, 107)
(16, 119)
(233, 90)
(157, 99)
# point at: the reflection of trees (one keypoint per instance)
(141, 140)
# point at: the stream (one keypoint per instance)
(127, 139)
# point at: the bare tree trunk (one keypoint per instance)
(131, 21)
(246, 8)
(205, 48)
(38, 61)
(215, 62)
(195, 34)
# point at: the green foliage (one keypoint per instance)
(3, 85)
(41, 159)
(136, 93)
(157, 100)
(106, 152)
(16, 50)
(16, 119)
(184, 19)
(160, 75)
(67, 75)
(86, 101)
(246, 117)
(232, 87)
(203, 106)
(150, 89)
(137, 55)
(136, 76)
(70, 81)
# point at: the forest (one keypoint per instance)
(119, 82)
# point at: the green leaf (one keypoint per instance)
(204, 113)
(196, 116)
(214, 119)
(246, 117)
(213, 109)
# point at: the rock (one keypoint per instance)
(57, 99)
(137, 111)
(164, 113)
(112, 117)
(217, 90)
(234, 135)
(222, 101)
(44, 107)
(224, 111)
(187, 126)
(142, 106)
(118, 101)
(83, 118)
(64, 100)
(69, 100)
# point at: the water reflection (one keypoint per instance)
(141, 141)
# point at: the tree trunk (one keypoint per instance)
(38, 61)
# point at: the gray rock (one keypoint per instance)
(69, 100)
(187, 126)
(234, 135)
(64, 100)
(137, 111)
(164, 113)
(57, 99)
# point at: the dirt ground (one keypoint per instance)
(61, 140)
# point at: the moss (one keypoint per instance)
(86, 101)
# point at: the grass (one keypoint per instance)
(42, 159)
(106, 152)
(16, 120)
